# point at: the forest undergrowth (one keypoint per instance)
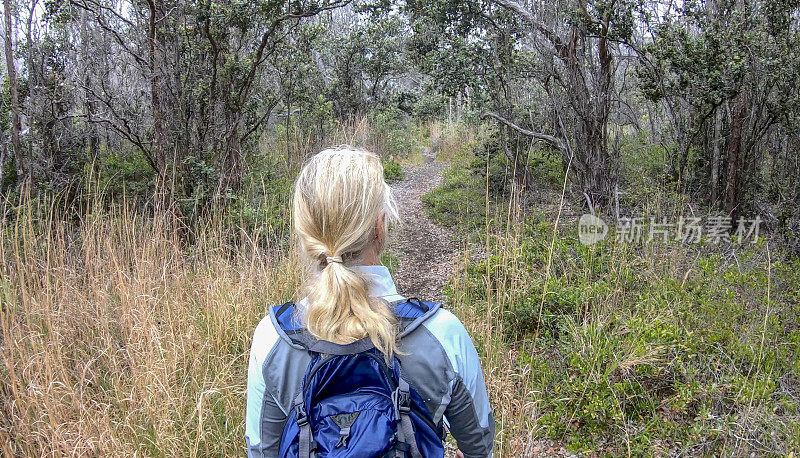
(657, 348)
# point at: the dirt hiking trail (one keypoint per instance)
(425, 249)
(427, 252)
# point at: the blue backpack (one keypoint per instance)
(353, 403)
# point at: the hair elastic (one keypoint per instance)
(331, 259)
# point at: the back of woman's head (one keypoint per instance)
(339, 198)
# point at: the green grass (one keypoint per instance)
(640, 349)
(391, 261)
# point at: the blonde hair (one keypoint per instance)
(339, 196)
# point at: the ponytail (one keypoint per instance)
(339, 196)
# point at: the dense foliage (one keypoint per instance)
(181, 95)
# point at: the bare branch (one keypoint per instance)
(551, 140)
(260, 121)
(98, 13)
(537, 25)
(259, 55)
(122, 127)
(100, 8)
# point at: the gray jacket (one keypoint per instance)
(438, 357)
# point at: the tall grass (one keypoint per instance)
(117, 339)
(122, 335)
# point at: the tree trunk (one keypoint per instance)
(16, 125)
(166, 154)
(715, 157)
(158, 93)
(233, 153)
(3, 164)
(599, 182)
(449, 110)
(230, 161)
(458, 107)
(733, 155)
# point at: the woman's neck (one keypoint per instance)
(372, 254)
(371, 258)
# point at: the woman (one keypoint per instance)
(342, 208)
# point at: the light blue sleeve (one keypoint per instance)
(469, 413)
(259, 401)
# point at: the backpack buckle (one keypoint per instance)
(405, 402)
(402, 401)
(301, 416)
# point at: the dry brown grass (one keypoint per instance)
(453, 142)
(118, 340)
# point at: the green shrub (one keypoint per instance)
(398, 137)
(498, 173)
(458, 202)
(392, 171)
(124, 173)
(662, 348)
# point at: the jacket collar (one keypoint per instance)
(381, 283)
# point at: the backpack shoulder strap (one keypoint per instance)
(412, 312)
(289, 327)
